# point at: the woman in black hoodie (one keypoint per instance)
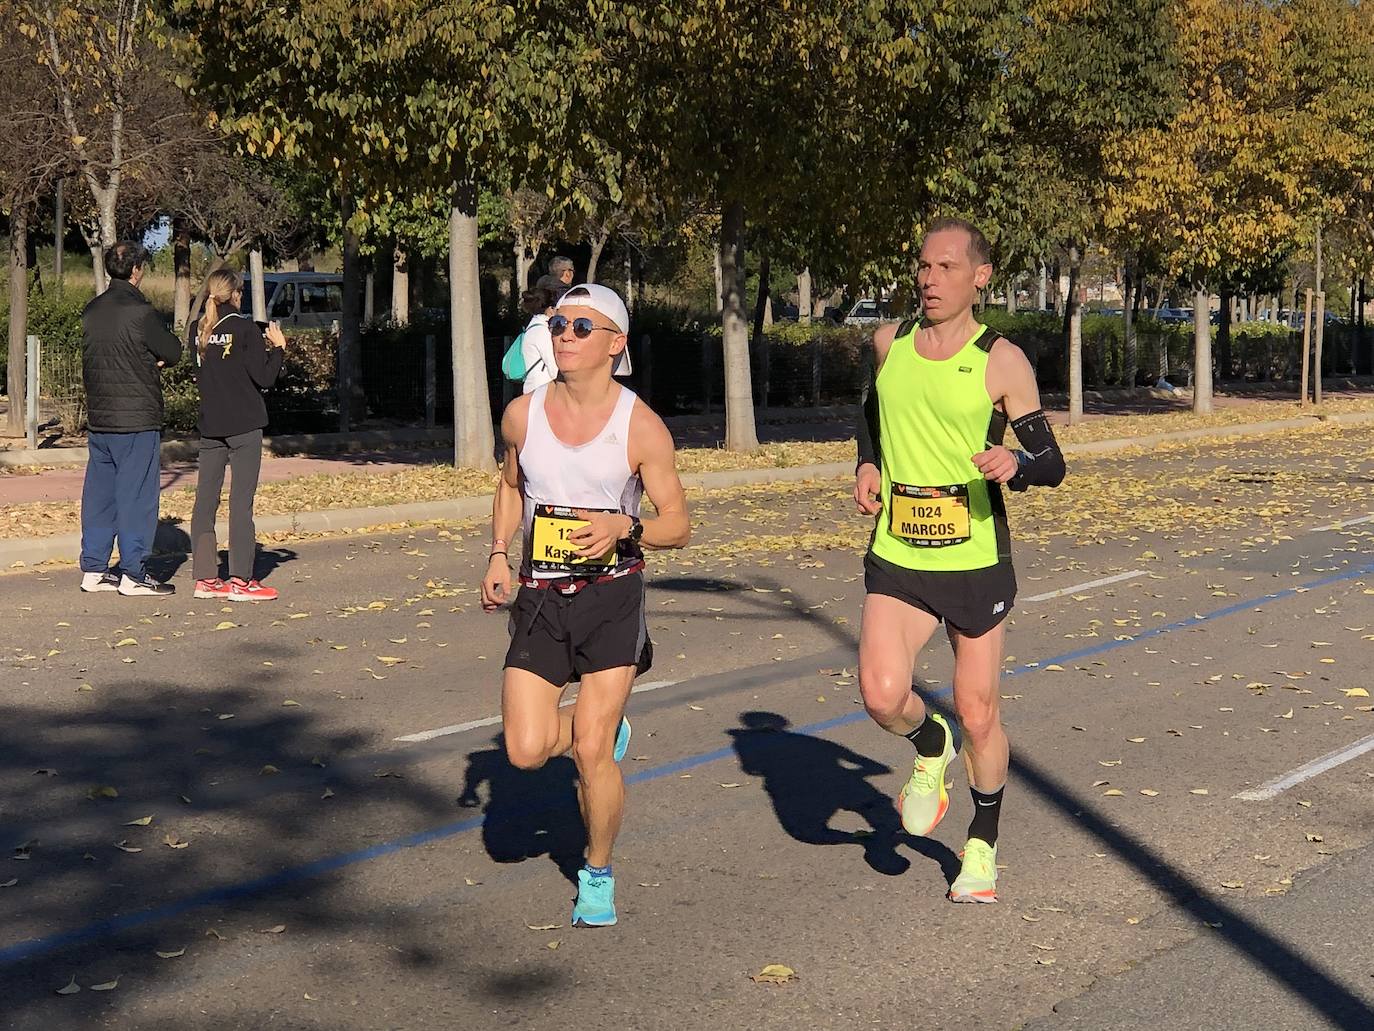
(234, 364)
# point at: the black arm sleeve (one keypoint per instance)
(1041, 464)
(870, 447)
(160, 340)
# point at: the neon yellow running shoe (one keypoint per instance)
(923, 801)
(977, 880)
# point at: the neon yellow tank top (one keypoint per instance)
(939, 513)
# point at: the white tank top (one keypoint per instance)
(556, 476)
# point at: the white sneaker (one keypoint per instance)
(97, 583)
(144, 588)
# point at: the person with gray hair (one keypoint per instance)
(561, 268)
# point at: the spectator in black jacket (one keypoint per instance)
(234, 364)
(125, 343)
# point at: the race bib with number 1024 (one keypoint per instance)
(552, 547)
(929, 517)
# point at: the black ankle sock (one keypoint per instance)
(929, 738)
(986, 810)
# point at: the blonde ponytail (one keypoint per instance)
(220, 287)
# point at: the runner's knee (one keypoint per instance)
(593, 747)
(978, 719)
(526, 752)
(884, 693)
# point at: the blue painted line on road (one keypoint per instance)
(33, 947)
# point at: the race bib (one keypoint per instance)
(929, 517)
(552, 547)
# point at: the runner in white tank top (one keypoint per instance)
(580, 452)
(594, 476)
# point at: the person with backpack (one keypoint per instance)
(529, 359)
(235, 363)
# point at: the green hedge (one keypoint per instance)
(54, 317)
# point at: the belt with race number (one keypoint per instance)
(574, 584)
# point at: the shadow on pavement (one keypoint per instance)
(99, 889)
(528, 813)
(811, 780)
(172, 551)
(1276, 959)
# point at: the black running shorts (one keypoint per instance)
(971, 601)
(562, 636)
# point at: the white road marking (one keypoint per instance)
(1344, 523)
(490, 721)
(1103, 582)
(1307, 771)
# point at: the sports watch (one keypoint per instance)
(636, 530)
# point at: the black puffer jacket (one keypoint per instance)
(124, 340)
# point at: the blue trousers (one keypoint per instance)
(119, 499)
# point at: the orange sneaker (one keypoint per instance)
(250, 590)
(215, 588)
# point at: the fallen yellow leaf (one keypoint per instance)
(774, 973)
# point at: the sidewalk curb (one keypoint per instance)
(187, 449)
(173, 538)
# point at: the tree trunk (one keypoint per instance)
(1318, 339)
(1040, 299)
(804, 296)
(740, 432)
(1361, 342)
(258, 286)
(598, 244)
(720, 277)
(1130, 356)
(181, 263)
(758, 344)
(1073, 310)
(474, 444)
(522, 267)
(59, 232)
(1011, 296)
(98, 276)
(1223, 348)
(629, 279)
(349, 377)
(1202, 352)
(400, 286)
(369, 297)
(19, 319)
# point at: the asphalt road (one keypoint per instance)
(336, 841)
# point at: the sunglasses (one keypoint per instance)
(581, 327)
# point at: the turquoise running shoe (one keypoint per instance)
(622, 740)
(595, 905)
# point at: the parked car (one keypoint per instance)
(868, 312)
(304, 300)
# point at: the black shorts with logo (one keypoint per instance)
(561, 636)
(971, 601)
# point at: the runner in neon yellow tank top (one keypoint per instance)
(931, 468)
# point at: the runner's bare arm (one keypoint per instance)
(1011, 381)
(652, 452)
(507, 506)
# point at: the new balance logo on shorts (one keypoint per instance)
(999, 608)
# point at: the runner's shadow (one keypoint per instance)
(810, 780)
(528, 813)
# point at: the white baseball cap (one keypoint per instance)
(606, 301)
